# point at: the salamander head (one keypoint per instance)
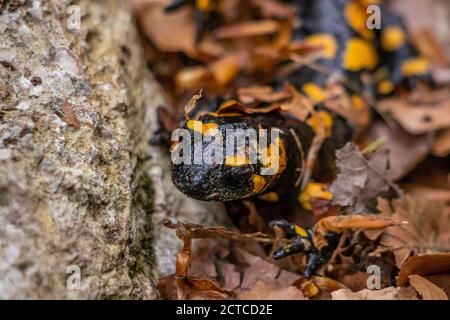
(219, 159)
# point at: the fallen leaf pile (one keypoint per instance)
(390, 200)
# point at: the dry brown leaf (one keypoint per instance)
(366, 222)
(192, 77)
(273, 8)
(424, 264)
(356, 281)
(192, 103)
(236, 107)
(247, 29)
(390, 293)
(69, 116)
(441, 147)
(361, 181)
(325, 283)
(442, 281)
(355, 109)
(258, 270)
(197, 231)
(256, 93)
(405, 150)
(429, 112)
(300, 106)
(205, 256)
(308, 287)
(426, 289)
(225, 69)
(262, 291)
(426, 229)
(187, 285)
(174, 32)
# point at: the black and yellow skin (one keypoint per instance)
(401, 65)
(304, 240)
(352, 56)
(224, 182)
(326, 22)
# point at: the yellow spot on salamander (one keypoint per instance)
(392, 38)
(237, 160)
(314, 190)
(209, 128)
(269, 197)
(314, 92)
(385, 87)
(321, 121)
(258, 183)
(359, 55)
(328, 42)
(301, 232)
(415, 66)
(268, 153)
(217, 115)
(358, 103)
(356, 16)
(204, 5)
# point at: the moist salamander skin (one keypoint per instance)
(226, 182)
(352, 55)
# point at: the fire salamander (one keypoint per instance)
(317, 245)
(364, 62)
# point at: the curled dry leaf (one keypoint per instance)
(174, 32)
(442, 281)
(197, 231)
(426, 289)
(427, 114)
(367, 222)
(308, 287)
(424, 264)
(257, 93)
(262, 291)
(361, 181)
(216, 75)
(406, 151)
(192, 103)
(390, 293)
(225, 69)
(325, 283)
(300, 106)
(236, 107)
(247, 29)
(190, 286)
(426, 229)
